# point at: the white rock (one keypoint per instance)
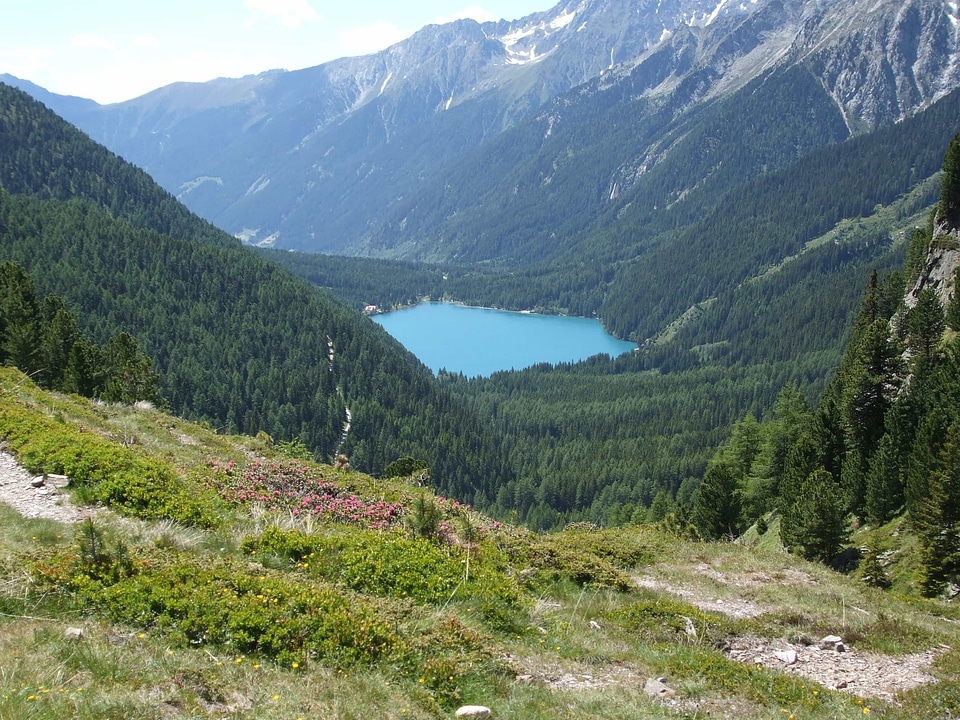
(829, 641)
(594, 625)
(473, 711)
(73, 633)
(787, 656)
(655, 687)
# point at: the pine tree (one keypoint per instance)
(869, 385)
(130, 373)
(59, 332)
(815, 524)
(717, 505)
(938, 520)
(948, 210)
(925, 325)
(952, 312)
(19, 319)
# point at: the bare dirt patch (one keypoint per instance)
(866, 675)
(576, 676)
(34, 497)
(734, 607)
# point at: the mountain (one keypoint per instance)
(347, 157)
(238, 342)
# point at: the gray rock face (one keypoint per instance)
(886, 59)
(316, 158)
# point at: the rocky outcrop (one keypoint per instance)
(882, 61)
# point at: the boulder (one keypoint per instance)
(655, 687)
(473, 711)
(786, 656)
(829, 641)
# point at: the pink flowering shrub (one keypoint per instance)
(295, 487)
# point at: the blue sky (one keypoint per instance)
(112, 50)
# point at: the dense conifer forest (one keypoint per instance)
(236, 341)
(884, 437)
(221, 335)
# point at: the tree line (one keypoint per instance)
(884, 438)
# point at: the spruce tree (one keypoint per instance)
(938, 520)
(717, 505)
(815, 524)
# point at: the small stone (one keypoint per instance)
(38, 482)
(73, 633)
(840, 647)
(830, 641)
(842, 684)
(473, 711)
(758, 660)
(58, 480)
(525, 678)
(787, 656)
(594, 625)
(655, 687)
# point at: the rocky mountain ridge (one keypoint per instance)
(313, 159)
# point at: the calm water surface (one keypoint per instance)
(481, 341)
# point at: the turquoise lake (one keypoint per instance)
(481, 341)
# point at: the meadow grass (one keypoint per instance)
(348, 612)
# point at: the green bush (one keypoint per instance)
(393, 565)
(100, 470)
(386, 564)
(553, 558)
(232, 607)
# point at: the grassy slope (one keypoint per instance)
(417, 636)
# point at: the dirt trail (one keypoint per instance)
(33, 497)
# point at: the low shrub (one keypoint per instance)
(231, 607)
(102, 471)
(553, 558)
(390, 565)
(303, 491)
(662, 620)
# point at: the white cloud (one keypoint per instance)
(290, 13)
(474, 12)
(31, 64)
(367, 39)
(91, 42)
(145, 41)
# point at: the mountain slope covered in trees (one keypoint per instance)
(236, 340)
(884, 438)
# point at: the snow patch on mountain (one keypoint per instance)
(521, 43)
(258, 185)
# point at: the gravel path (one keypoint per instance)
(33, 497)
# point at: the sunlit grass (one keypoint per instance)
(560, 629)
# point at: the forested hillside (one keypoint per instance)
(778, 288)
(884, 438)
(237, 341)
